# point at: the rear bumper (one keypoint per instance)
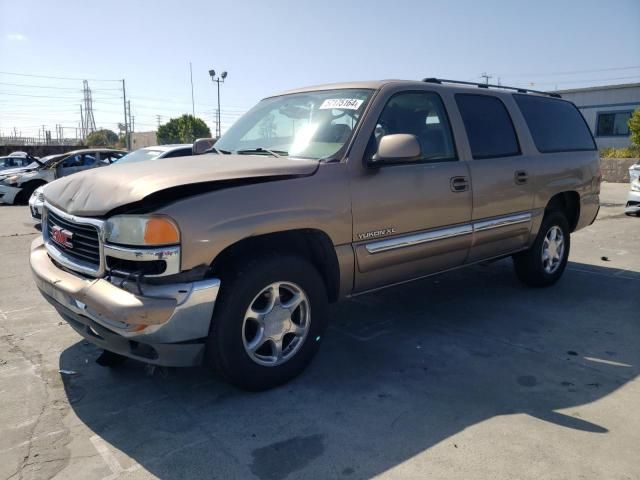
(8, 194)
(163, 325)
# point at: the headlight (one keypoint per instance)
(12, 180)
(144, 230)
(635, 186)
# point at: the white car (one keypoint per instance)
(17, 184)
(633, 199)
(36, 202)
(158, 151)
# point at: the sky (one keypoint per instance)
(274, 45)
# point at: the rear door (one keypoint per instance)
(409, 219)
(501, 175)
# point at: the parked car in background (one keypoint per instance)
(15, 161)
(158, 151)
(36, 202)
(633, 199)
(18, 184)
(231, 259)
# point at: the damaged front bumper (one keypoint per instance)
(633, 201)
(159, 324)
(8, 194)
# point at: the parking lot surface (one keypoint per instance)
(464, 375)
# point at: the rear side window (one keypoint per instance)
(555, 125)
(489, 127)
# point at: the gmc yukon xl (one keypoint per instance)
(312, 196)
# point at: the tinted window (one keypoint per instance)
(88, 160)
(613, 124)
(421, 114)
(555, 125)
(183, 152)
(73, 161)
(488, 125)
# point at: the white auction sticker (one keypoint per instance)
(343, 103)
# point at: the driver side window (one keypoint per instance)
(421, 114)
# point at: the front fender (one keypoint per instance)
(213, 221)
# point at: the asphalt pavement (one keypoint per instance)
(466, 375)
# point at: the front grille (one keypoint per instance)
(85, 239)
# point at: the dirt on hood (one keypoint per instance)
(99, 191)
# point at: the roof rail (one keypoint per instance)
(490, 85)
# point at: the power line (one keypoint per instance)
(60, 78)
(567, 72)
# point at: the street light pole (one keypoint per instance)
(218, 79)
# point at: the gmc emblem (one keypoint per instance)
(61, 236)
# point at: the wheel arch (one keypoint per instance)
(311, 244)
(568, 203)
(27, 189)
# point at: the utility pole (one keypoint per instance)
(486, 77)
(159, 118)
(130, 129)
(193, 105)
(127, 139)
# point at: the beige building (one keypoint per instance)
(607, 110)
(143, 139)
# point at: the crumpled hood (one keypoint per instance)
(98, 191)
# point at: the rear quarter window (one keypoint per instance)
(555, 125)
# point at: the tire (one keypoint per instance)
(22, 198)
(530, 267)
(234, 347)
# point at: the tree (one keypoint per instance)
(101, 138)
(634, 127)
(184, 129)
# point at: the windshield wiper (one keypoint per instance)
(218, 151)
(275, 153)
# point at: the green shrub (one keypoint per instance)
(629, 152)
(634, 127)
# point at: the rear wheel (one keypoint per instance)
(268, 322)
(544, 263)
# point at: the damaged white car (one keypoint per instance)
(18, 184)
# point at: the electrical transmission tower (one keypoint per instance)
(87, 122)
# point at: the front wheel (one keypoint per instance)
(268, 322)
(544, 263)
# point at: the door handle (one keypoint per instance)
(521, 177)
(459, 184)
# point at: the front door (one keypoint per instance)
(409, 220)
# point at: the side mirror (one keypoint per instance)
(201, 145)
(397, 148)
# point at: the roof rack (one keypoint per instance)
(489, 85)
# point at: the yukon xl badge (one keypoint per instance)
(376, 233)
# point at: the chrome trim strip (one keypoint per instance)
(501, 222)
(65, 260)
(447, 232)
(418, 238)
(170, 254)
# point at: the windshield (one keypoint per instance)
(140, 155)
(307, 125)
